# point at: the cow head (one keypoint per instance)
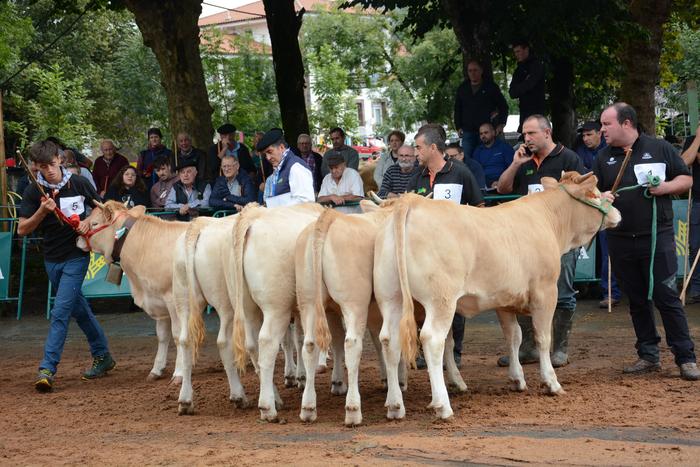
(589, 212)
(104, 220)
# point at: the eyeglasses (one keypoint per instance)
(406, 155)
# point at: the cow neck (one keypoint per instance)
(119, 243)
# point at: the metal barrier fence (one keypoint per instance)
(95, 286)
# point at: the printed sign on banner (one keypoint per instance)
(5, 256)
(95, 283)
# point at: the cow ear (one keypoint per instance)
(137, 211)
(108, 212)
(549, 183)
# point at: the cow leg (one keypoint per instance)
(513, 334)
(355, 325)
(290, 368)
(433, 334)
(391, 347)
(224, 341)
(163, 332)
(300, 375)
(374, 328)
(339, 386)
(310, 353)
(542, 323)
(274, 326)
(179, 366)
(252, 324)
(454, 378)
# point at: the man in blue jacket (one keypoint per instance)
(234, 189)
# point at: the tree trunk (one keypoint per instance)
(470, 24)
(284, 23)
(641, 57)
(561, 100)
(170, 29)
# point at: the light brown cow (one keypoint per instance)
(505, 257)
(264, 287)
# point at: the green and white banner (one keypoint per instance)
(5, 257)
(95, 284)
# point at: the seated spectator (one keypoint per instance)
(454, 152)
(107, 166)
(592, 143)
(228, 146)
(493, 154)
(390, 157)
(144, 164)
(68, 159)
(166, 179)
(341, 185)
(397, 175)
(187, 195)
(352, 158)
(128, 188)
(187, 152)
(234, 189)
(72, 168)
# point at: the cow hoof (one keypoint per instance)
(239, 402)
(308, 414)
(395, 411)
(353, 415)
(153, 377)
(267, 415)
(459, 388)
(301, 382)
(339, 388)
(553, 389)
(518, 386)
(290, 381)
(185, 408)
(176, 381)
(443, 412)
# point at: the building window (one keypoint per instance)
(361, 113)
(377, 113)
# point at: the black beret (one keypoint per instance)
(226, 129)
(271, 137)
(590, 125)
(154, 131)
(187, 163)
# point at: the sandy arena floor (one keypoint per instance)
(604, 419)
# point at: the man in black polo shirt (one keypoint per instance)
(630, 243)
(541, 157)
(65, 263)
(447, 180)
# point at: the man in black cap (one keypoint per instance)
(188, 195)
(186, 152)
(291, 181)
(228, 146)
(144, 164)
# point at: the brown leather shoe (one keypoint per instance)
(690, 372)
(642, 366)
(603, 304)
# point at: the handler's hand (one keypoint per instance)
(608, 195)
(83, 228)
(660, 190)
(48, 205)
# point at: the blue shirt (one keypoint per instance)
(494, 160)
(588, 155)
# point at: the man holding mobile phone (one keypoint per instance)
(539, 157)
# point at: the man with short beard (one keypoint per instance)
(493, 154)
(398, 175)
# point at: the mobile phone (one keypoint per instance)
(528, 153)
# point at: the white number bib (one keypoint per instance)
(72, 205)
(534, 188)
(448, 191)
(642, 172)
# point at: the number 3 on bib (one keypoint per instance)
(448, 192)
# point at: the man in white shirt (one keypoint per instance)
(341, 186)
(291, 182)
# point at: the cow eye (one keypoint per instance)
(93, 224)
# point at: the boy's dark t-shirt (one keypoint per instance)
(59, 240)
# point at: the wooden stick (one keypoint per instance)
(618, 179)
(36, 182)
(690, 274)
(609, 284)
(687, 241)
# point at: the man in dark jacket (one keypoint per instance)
(527, 84)
(234, 189)
(478, 101)
(144, 164)
(228, 146)
(187, 152)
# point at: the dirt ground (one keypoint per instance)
(604, 419)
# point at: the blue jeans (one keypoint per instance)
(470, 140)
(67, 279)
(615, 292)
(566, 293)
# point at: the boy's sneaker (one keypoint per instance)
(44, 381)
(100, 366)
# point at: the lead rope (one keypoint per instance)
(652, 181)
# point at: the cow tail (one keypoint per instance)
(320, 231)
(238, 285)
(195, 322)
(408, 326)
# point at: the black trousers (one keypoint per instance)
(630, 259)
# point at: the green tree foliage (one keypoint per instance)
(241, 83)
(61, 107)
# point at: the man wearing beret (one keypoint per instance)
(228, 146)
(291, 181)
(188, 195)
